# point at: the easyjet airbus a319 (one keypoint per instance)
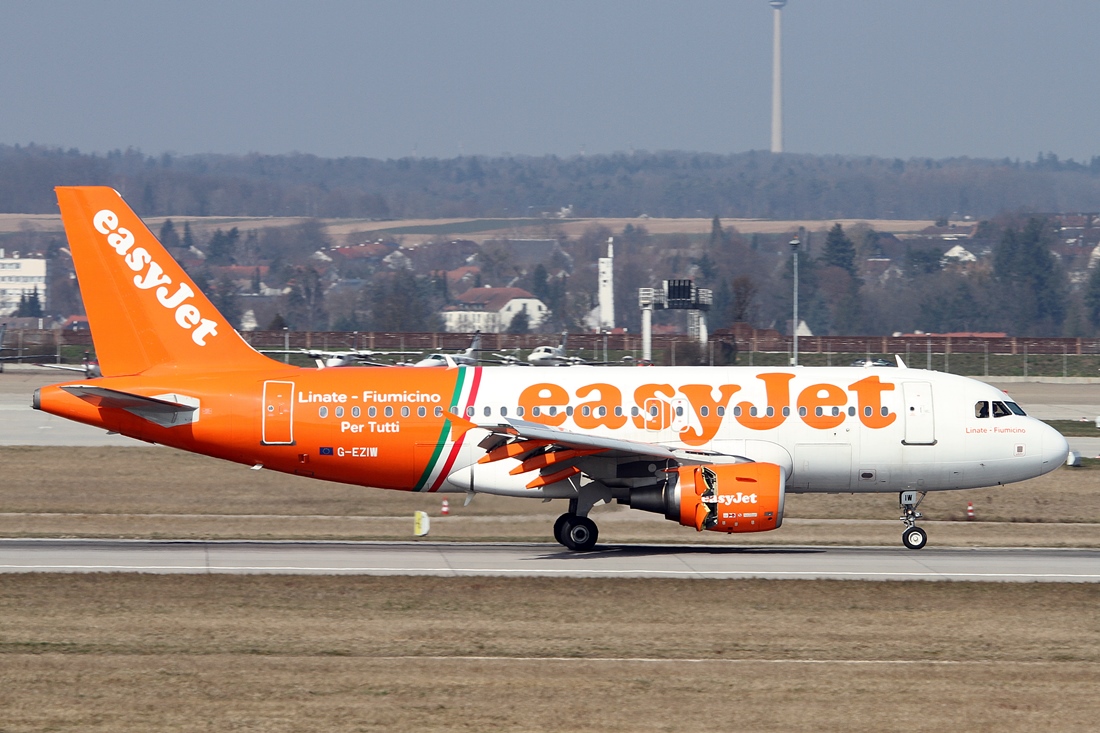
(715, 449)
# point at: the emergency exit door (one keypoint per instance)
(278, 407)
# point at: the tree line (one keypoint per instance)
(665, 184)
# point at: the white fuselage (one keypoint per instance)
(840, 429)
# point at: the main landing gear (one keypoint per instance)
(574, 531)
(913, 537)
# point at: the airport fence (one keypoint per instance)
(973, 356)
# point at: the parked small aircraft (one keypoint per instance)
(544, 356)
(712, 448)
(354, 357)
(467, 357)
(89, 367)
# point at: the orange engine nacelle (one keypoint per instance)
(739, 497)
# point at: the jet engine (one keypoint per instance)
(738, 497)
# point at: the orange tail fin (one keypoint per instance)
(144, 311)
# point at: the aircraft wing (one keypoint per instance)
(557, 454)
(154, 409)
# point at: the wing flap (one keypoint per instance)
(560, 445)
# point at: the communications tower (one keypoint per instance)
(777, 76)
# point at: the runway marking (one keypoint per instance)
(550, 571)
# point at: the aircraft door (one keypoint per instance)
(920, 426)
(278, 407)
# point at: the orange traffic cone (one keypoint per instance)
(970, 511)
(446, 509)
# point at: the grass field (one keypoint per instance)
(127, 653)
(160, 492)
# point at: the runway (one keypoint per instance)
(546, 560)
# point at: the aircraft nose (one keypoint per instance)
(1054, 449)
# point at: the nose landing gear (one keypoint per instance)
(913, 537)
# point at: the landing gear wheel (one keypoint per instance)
(580, 534)
(560, 526)
(914, 538)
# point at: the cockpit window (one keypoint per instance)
(981, 409)
(1016, 408)
(1000, 410)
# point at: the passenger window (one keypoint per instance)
(1016, 409)
(470, 411)
(999, 410)
(421, 411)
(438, 411)
(404, 412)
(323, 412)
(504, 412)
(603, 410)
(679, 411)
(721, 411)
(372, 411)
(535, 411)
(619, 411)
(704, 411)
(519, 411)
(981, 409)
(586, 410)
(339, 412)
(389, 411)
(355, 411)
(569, 410)
(634, 411)
(553, 410)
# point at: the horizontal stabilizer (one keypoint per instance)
(163, 412)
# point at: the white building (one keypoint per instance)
(19, 277)
(491, 310)
(958, 253)
(606, 284)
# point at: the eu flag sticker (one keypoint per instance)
(326, 451)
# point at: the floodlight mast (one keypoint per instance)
(777, 76)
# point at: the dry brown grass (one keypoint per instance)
(159, 492)
(138, 653)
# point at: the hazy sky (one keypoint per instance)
(389, 78)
